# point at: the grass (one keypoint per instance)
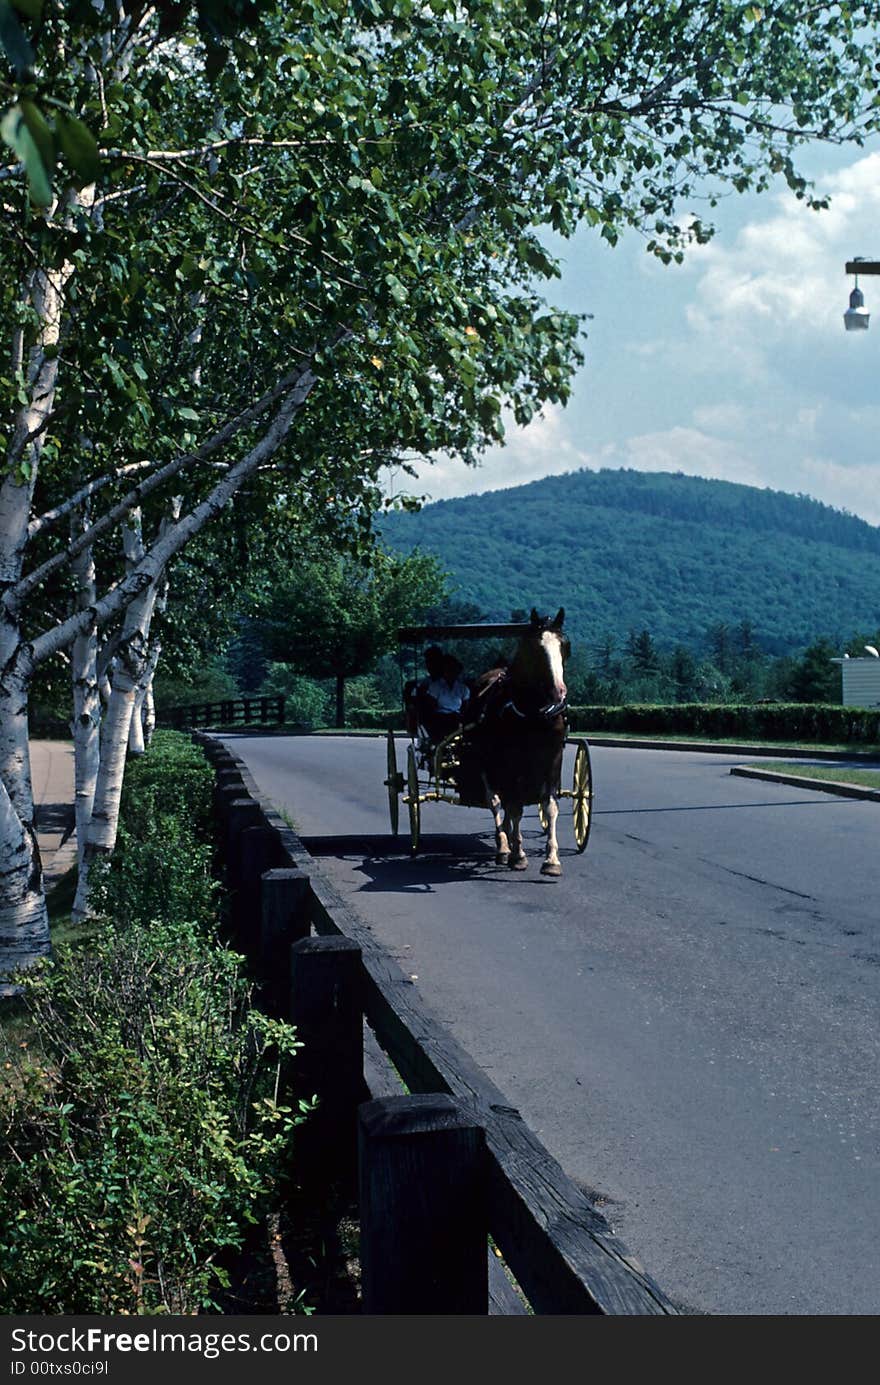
(860, 751)
(840, 774)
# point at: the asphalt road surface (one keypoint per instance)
(688, 1018)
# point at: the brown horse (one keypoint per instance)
(520, 738)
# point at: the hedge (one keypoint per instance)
(784, 721)
(140, 1128)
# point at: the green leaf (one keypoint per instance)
(79, 146)
(396, 288)
(15, 133)
(31, 8)
(40, 134)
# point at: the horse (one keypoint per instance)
(519, 738)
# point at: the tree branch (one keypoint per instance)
(151, 566)
(37, 526)
(18, 594)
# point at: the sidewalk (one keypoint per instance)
(52, 775)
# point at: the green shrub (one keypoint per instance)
(161, 868)
(803, 721)
(306, 702)
(174, 779)
(209, 684)
(376, 719)
(140, 1129)
(784, 721)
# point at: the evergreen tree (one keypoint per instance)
(642, 652)
(815, 678)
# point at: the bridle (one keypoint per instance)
(545, 713)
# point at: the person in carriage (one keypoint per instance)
(438, 703)
(445, 699)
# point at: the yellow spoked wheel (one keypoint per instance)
(412, 798)
(394, 784)
(582, 795)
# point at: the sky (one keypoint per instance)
(735, 365)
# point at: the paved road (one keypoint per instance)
(688, 1018)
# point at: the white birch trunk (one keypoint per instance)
(86, 723)
(24, 921)
(143, 717)
(24, 931)
(149, 713)
(131, 662)
(143, 721)
(115, 727)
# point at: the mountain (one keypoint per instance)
(673, 554)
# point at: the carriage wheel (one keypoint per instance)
(582, 795)
(412, 797)
(394, 783)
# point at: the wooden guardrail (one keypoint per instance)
(442, 1161)
(228, 711)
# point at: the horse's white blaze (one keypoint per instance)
(552, 648)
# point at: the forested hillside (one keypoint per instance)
(671, 554)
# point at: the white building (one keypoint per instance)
(860, 682)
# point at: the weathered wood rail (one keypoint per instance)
(228, 711)
(443, 1168)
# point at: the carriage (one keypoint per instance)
(455, 768)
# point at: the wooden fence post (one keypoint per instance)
(423, 1207)
(284, 920)
(257, 850)
(241, 812)
(228, 777)
(326, 1009)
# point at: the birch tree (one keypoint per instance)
(280, 271)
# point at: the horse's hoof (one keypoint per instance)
(551, 868)
(519, 863)
(501, 858)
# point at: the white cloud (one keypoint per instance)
(544, 448)
(690, 450)
(854, 488)
(784, 273)
(726, 417)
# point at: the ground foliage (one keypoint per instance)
(141, 1131)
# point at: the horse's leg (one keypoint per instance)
(502, 846)
(551, 864)
(518, 859)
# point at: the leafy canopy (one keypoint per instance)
(335, 618)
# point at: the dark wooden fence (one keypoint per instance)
(441, 1161)
(234, 711)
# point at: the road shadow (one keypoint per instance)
(55, 818)
(388, 865)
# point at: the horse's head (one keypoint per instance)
(537, 670)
